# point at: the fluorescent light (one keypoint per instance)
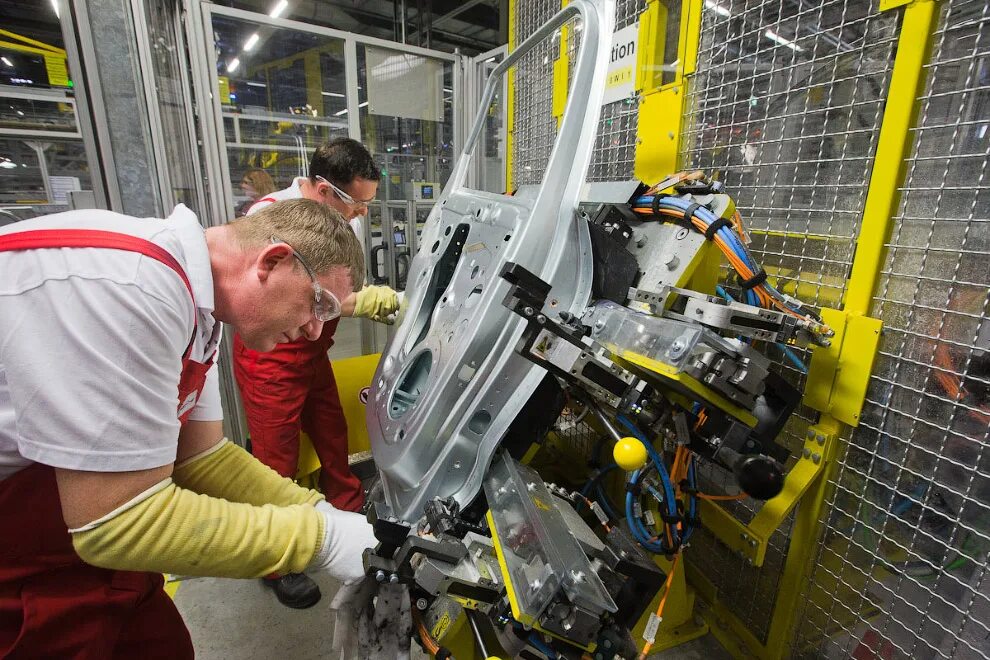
(334, 94)
(344, 111)
(55, 8)
(250, 43)
(717, 8)
(6, 61)
(254, 84)
(279, 8)
(20, 113)
(448, 89)
(773, 36)
(234, 63)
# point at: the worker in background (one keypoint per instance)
(256, 183)
(113, 468)
(292, 388)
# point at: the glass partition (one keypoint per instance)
(282, 93)
(406, 111)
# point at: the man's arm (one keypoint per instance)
(88, 496)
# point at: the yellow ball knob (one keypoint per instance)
(629, 454)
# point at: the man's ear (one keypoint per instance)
(270, 258)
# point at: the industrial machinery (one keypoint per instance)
(604, 297)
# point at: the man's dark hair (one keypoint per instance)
(342, 160)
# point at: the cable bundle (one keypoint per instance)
(729, 236)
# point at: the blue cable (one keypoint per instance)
(795, 360)
(657, 461)
(791, 355)
(635, 524)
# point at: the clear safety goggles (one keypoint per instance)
(326, 307)
(345, 198)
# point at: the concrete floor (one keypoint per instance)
(242, 619)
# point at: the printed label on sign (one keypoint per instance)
(621, 81)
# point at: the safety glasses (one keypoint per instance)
(326, 307)
(345, 198)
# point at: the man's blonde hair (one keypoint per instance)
(317, 232)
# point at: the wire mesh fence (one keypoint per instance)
(785, 109)
(535, 127)
(902, 569)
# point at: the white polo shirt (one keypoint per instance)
(91, 345)
(293, 192)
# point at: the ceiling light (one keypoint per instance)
(250, 43)
(279, 8)
(342, 112)
(55, 8)
(334, 94)
(717, 8)
(6, 61)
(234, 63)
(361, 105)
(254, 84)
(773, 36)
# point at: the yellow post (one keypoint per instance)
(900, 113)
(662, 107)
(913, 51)
(510, 102)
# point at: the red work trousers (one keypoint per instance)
(53, 605)
(289, 389)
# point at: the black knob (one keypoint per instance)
(759, 476)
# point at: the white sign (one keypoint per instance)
(621, 81)
(61, 185)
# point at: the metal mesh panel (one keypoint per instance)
(785, 109)
(615, 145)
(902, 569)
(535, 128)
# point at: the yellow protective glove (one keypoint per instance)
(377, 303)
(228, 472)
(168, 529)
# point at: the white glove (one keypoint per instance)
(346, 536)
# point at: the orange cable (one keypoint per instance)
(663, 602)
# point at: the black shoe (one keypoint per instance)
(295, 590)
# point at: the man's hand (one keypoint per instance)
(377, 303)
(346, 535)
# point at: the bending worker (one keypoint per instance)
(113, 468)
(293, 388)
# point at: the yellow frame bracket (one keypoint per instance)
(840, 374)
(750, 540)
(662, 107)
